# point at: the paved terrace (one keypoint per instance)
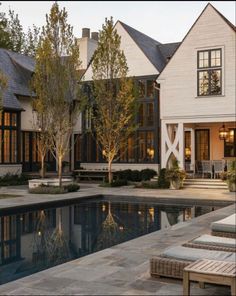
(124, 268)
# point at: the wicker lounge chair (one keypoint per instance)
(172, 261)
(225, 227)
(211, 242)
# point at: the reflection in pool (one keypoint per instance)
(34, 240)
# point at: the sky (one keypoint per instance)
(165, 21)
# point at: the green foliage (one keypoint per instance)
(231, 174)
(135, 175)
(114, 99)
(147, 174)
(115, 183)
(55, 83)
(72, 187)
(12, 35)
(14, 179)
(3, 86)
(45, 189)
(149, 184)
(174, 173)
(162, 181)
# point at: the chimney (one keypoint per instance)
(94, 36)
(86, 32)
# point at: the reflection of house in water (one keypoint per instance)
(39, 239)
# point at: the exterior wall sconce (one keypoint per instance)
(223, 132)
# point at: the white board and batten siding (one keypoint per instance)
(179, 101)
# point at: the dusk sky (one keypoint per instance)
(161, 20)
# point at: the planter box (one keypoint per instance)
(49, 182)
(232, 186)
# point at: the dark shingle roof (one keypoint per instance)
(18, 70)
(156, 52)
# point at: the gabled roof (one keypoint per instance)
(156, 52)
(221, 15)
(18, 69)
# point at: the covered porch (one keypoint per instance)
(203, 149)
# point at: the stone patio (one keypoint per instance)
(124, 268)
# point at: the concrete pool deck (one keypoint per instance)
(124, 268)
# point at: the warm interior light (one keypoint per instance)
(223, 133)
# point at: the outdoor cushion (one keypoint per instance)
(215, 240)
(227, 224)
(192, 254)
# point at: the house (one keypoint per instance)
(198, 94)
(146, 58)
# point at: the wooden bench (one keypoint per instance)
(210, 271)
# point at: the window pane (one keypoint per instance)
(13, 147)
(203, 59)
(215, 58)
(26, 148)
(230, 144)
(150, 88)
(203, 83)
(141, 147)
(77, 148)
(150, 114)
(6, 146)
(141, 115)
(150, 146)
(131, 149)
(7, 119)
(216, 82)
(141, 88)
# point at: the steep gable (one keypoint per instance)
(207, 15)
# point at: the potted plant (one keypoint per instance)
(231, 177)
(175, 175)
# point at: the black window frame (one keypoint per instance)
(209, 70)
(234, 144)
(10, 128)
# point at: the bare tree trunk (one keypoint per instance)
(42, 167)
(60, 170)
(110, 176)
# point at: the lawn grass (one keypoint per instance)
(3, 196)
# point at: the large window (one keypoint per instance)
(8, 137)
(209, 72)
(230, 144)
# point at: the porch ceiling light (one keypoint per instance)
(223, 132)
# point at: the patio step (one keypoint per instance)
(205, 183)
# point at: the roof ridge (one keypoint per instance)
(139, 32)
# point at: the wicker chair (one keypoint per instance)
(168, 266)
(218, 167)
(206, 168)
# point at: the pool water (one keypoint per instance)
(35, 239)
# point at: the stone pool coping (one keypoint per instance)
(93, 190)
(122, 269)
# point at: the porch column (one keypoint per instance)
(181, 144)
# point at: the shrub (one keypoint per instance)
(231, 174)
(147, 174)
(124, 175)
(115, 183)
(14, 179)
(162, 181)
(45, 189)
(135, 176)
(72, 187)
(149, 184)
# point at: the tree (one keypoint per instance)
(31, 41)
(3, 86)
(5, 40)
(56, 81)
(115, 103)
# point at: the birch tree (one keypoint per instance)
(113, 91)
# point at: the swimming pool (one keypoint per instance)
(33, 239)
